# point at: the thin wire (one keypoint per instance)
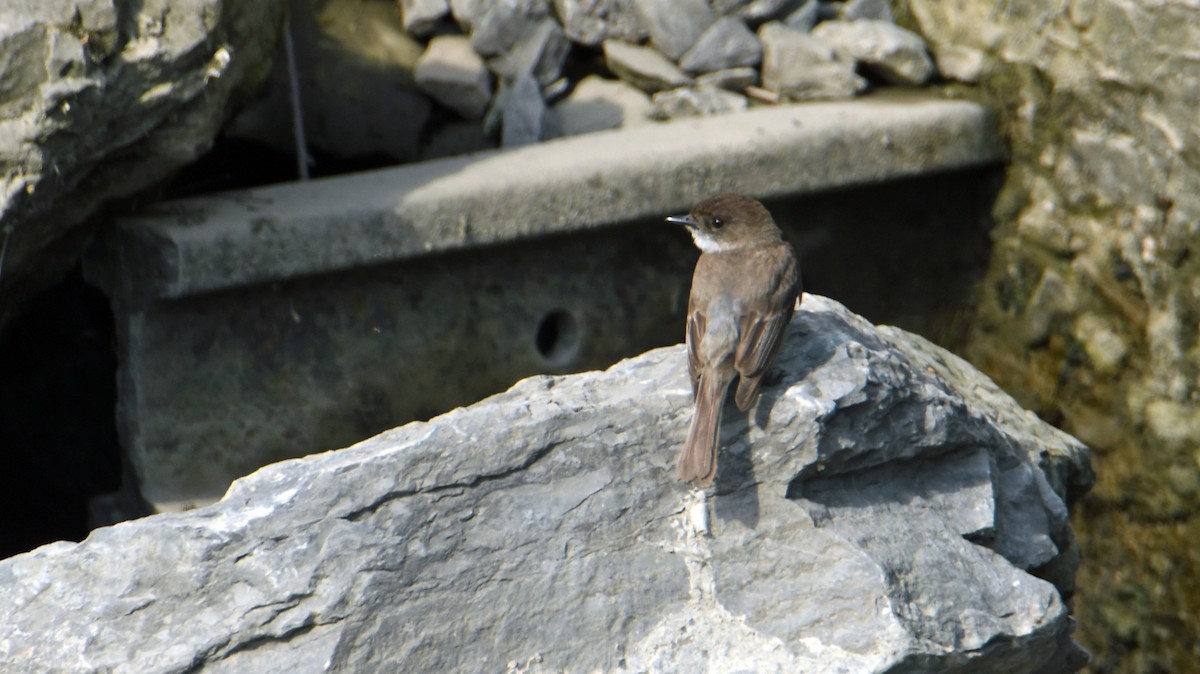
(294, 95)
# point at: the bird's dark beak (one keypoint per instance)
(685, 220)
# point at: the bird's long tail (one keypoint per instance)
(699, 458)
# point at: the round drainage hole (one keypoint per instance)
(557, 338)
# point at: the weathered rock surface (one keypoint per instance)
(796, 65)
(453, 74)
(727, 43)
(703, 100)
(597, 104)
(99, 99)
(881, 509)
(1100, 102)
(674, 25)
(643, 67)
(895, 54)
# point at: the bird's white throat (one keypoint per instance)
(709, 243)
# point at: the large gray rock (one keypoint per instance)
(895, 54)
(879, 510)
(796, 65)
(102, 98)
(643, 67)
(728, 43)
(674, 25)
(590, 22)
(452, 73)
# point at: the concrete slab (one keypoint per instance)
(565, 185)
(270, 323)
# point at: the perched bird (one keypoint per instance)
(744, 290)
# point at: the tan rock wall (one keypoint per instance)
(1088, 312)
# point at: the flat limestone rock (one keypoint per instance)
(880, 509)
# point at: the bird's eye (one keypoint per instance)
(718, 223)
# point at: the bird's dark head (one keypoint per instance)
(728, 221)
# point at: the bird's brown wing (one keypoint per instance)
(760, 332)
(695, 328)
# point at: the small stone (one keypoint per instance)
(500, 24)
(540, 52)
(452, 73)
(727, 43)
(591, 22)
(1050, 301)
(803, 17)
(756, 11)
(420, 17)
(733, 79)
(643, 67)
(522, 113)
(695, 101)
(959, 63)
(556, 89)
(799, 66)
(895, 54)
(674, 25)
(465, 13)
(1103, 346)
(597, 104)
(1172, 422)
(867, 9)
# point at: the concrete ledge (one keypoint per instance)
(269, 234)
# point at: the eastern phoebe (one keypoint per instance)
(744, 290)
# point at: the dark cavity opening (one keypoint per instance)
(557, 338)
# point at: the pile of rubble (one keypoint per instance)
(505, 63)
